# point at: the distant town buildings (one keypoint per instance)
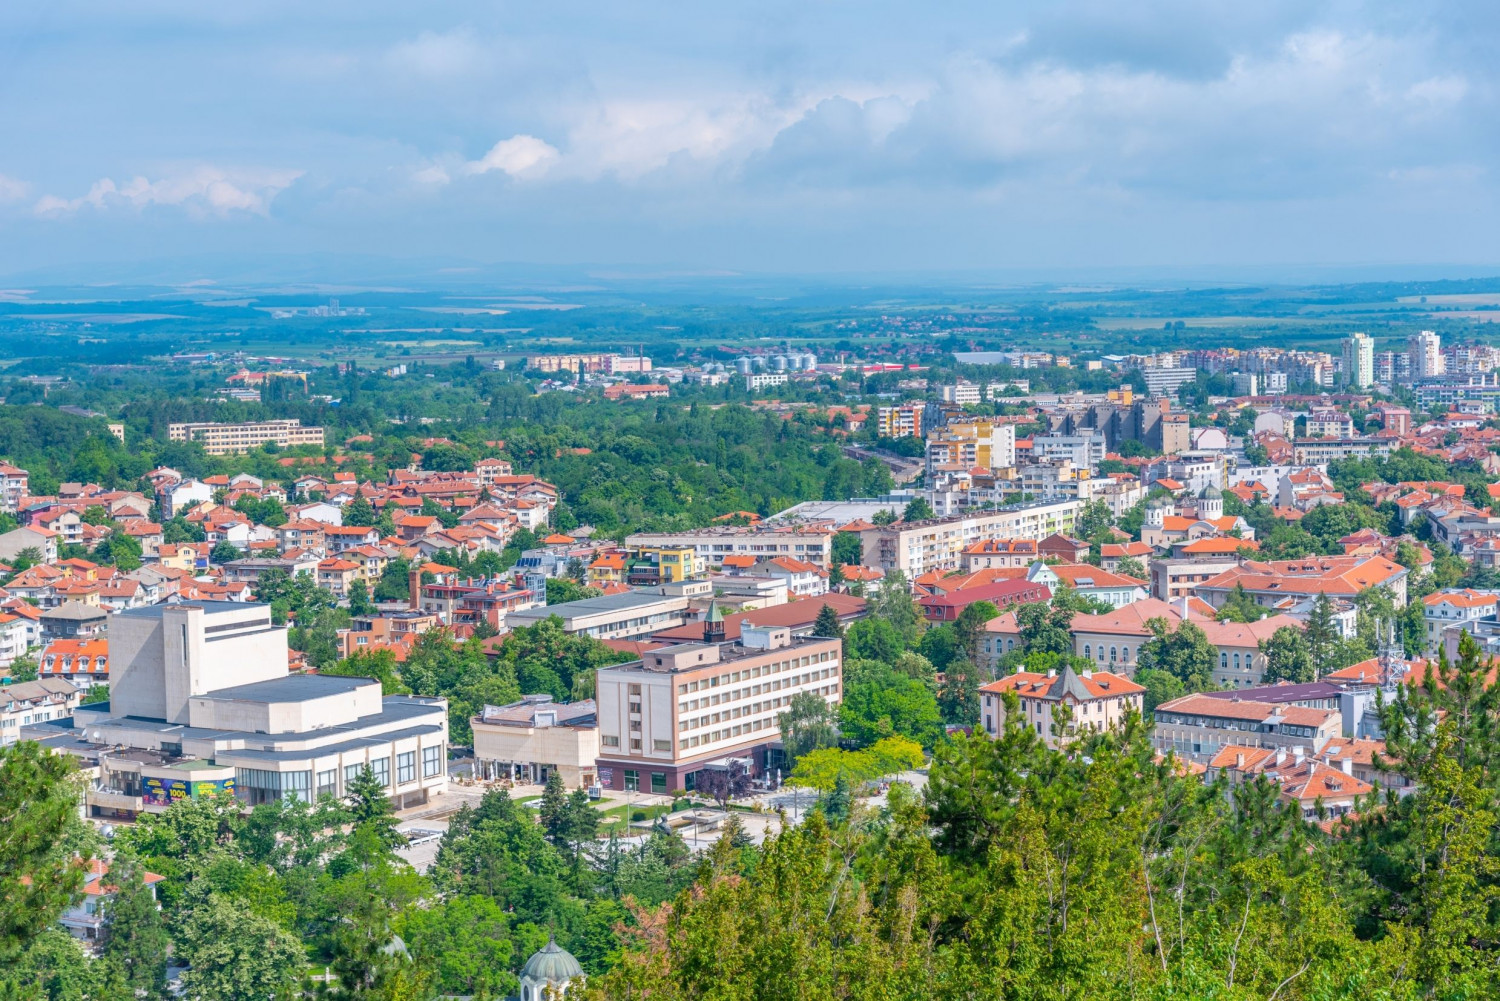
(235, 439)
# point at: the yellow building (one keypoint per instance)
(1124, 396)
(973, 443)
(674, 563)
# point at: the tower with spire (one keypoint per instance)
(713, 623)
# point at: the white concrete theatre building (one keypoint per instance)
(201, 701)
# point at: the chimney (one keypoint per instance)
(1280, 755)
(414, 588)
(1346, 765)
(1239, 760)
(1297, 755)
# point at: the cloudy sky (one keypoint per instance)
(804, 136)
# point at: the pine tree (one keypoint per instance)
(1322, 635)
(958, 699)
(553, 811)
(827, 623)
(370, 808)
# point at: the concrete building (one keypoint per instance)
(961, 393)
(1359, 361)
(1426, 352)
(18, 540)
(1197, 727)
(236, 439)
(619, 616)
(527, 741)
(202, 703)
(914, 548)
(1095, 700)
(666, 717)
(764, 380)
(804, 542)
(899, 422)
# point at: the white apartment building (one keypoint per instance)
(1359, 361)
(803, 542)
(914, 548)
(764, 380)
(1426, 351)
(235, 439)
(13, 486)
(962, 393)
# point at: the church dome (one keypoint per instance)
(1211, 492)
(553, 964)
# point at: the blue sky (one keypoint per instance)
(774, 137)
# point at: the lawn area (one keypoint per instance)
(617, 818)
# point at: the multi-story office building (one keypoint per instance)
(202, 703)
(1359, 361)
(764, 380)
(234, 439)
(666, 717)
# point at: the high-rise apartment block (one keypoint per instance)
(1359, 360)
(1426, 351)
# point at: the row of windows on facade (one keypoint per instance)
(299, 783)
(754, 708)
(750, 691)
(734, 677)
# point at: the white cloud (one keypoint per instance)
(518, 156)
(12, 190)
(205, 190)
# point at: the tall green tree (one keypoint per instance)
(1287, 657)
(233, 953)
(39, 878)
(135, 937)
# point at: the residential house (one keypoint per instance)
(86, 919)
(802, 578)
(26, 703)
(1094, 700)
(83, 663)
(990, 553)
(338, 575)
(1445, 609)
(1198, 727)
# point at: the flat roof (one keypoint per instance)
(394, 709)
(292, 688)
(602, 605)
(325, 750)
(209, 608)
